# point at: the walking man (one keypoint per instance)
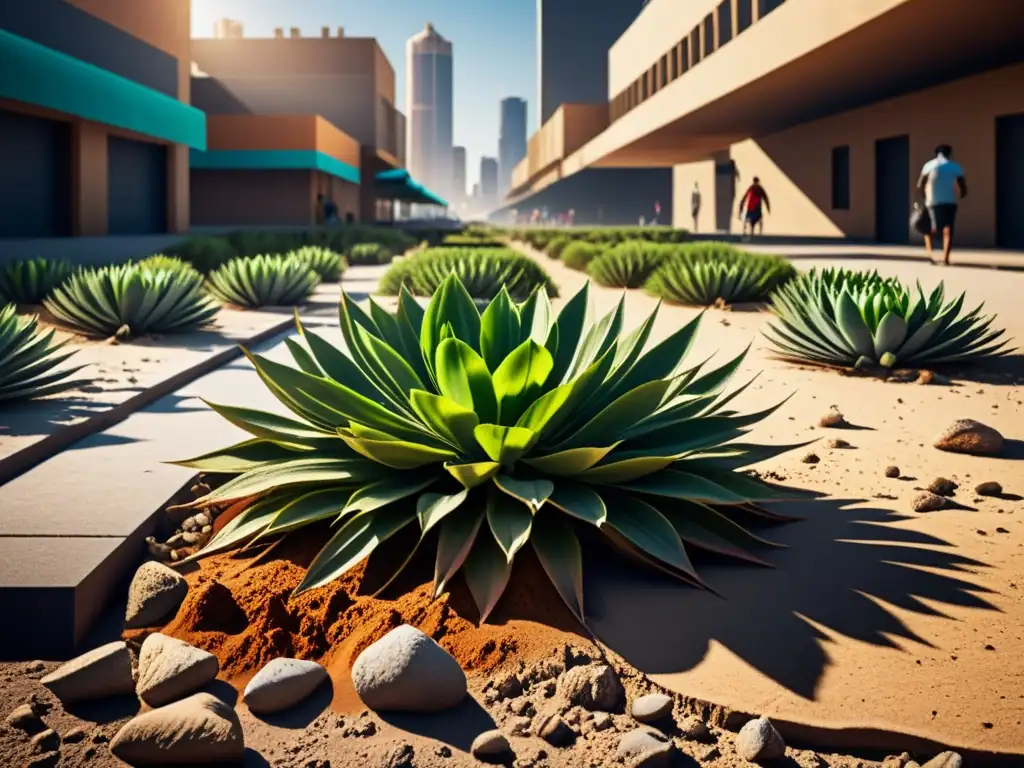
(750, 208)
(943, 185)
(695, 204)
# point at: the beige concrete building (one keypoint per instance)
(835, 106)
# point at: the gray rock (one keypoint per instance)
(519, 726)
(170, 668)
(407, 671)
(970, 436)
(281, 684)
(46, 741)
(24, 718)
(491, 747)
(694, 729)
(646, 747)
(199, 729)
(758, 740)
(651, 708)
(928, 502)
(593, 687)
(990, 488)
(945, 760)
(402, 756)
(554, 730)
(101, 672)
(155, 593)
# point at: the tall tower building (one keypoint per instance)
(458, 174)
(572, 47)
(489, 179)
(512, 140)
(224, 29)
(429, 109)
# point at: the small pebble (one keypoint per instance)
(943, 486)
(892, 471)
(928, 502)
(835, 442)
(811, 458)
(989, 489)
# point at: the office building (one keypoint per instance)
(430, 108)
(224, 28)
(458, 193)
(721, 92)
(512, 140)
(95, 122)
(489, 180)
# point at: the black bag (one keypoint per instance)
(921, 220)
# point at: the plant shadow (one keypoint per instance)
(1007, 370)
(838, 561)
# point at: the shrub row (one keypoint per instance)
(542, 238)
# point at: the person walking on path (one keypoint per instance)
(695, 205)
(750, 212)
(943, 185)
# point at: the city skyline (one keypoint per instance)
(488, 66)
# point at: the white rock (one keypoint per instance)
(491, 747)
(407, 671)
(647, 747)
(104, 671)
(170, 668)
(758, 740)
(594, 687)
(199, 729)
(155, 593)
(651, 708)
(281, 684)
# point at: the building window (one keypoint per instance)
(709, 35)
(663, 71)
(643, 87)
(684, 56)
(744, 14)
(695, 45)
(767, 6)
(841, 178)
(673, 63)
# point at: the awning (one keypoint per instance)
(273, 159)
(34, 74)
(397, 184)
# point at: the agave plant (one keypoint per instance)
(30, 359)
(128, 301)
(369, 253)
(579, 253)
(627, 265)
(159, 261)
(263, 281)
(483, 272)
(31, 280)
(494, 431)
(325, 262)
(702, 273)
(842, 318)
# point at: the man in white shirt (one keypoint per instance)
(943, 185)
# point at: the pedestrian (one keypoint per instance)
(695, 204)
(943, 185)
(657, 213)
(330, 212)
(750, 208)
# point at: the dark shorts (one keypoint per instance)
(754, 215)
(943, 216)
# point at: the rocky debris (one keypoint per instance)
(199, 729)
(943, 486)
(896, 761)
(74, 736)
(554, 730)
(402, 756)
(508, 687)
(602, 721)
(522, 707)
(519, 726)
(970, 436)
(593, 687)
(990, 488)
(833, 419)
(160, 551)
(811, 458)
(647, 747)
(931, 377)
(837, 443)
(35, 667)
(407, 671)
(693, 729)
(24, 718)
(892, 471)
(281, 684)
(758, 740)
(928, 502)
(651, 708)
(46, 741)
(170, 668)
(491, 747)
(945, 760)
(101, 672)
(155, 593)
(363, 728)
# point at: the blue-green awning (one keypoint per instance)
(273, 159)
(34, 74)
(397, 184)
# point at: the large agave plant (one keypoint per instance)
(702, 273)
(843, 318)
(31, 280)
(128, 301)
(494, 431)
(30, 360)
(627, 265)
(263, 281)
(325, 262)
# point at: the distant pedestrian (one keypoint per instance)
(943, 185)
(657, 213)
(695, 204)
(330, 212)
(751, 204)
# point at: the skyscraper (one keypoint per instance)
(489, 179)
(227, 28)
(512, 140)
(458, 174)
(429, 109)
(572, 47)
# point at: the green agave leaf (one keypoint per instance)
(560, 555)
(565, 335)
(532, 493)
(240, 529)
(536, 317)
(852, 325)
(504, 444)
(510, 520)
(458, 532)
(520, 379)
(295, 472)
(302, 358)
(580, 501)
(390, 363)
(703, 527)
(432, 508)
(398, 454)
(548, 411)
(615, 472)
(676, 484)
(570, 462)
(487, 571)
(308, 508)
(620, 414)
(340, 368)
(241, 457)
(891, 333)
(384, 492)
(462, 376)
(499, 330)
(446, 418)
(646, 528)
(472, 475)
(268, 426)
(451, 304)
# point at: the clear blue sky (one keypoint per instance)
(494, 48)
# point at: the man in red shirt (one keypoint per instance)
(750, 208)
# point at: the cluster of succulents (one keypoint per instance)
(31, 360)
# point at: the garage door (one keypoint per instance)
(35, 176)
(137, 187)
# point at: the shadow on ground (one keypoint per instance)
(837, 560)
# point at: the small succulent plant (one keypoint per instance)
(263, 281)
(29, 281)
(325, 262)
(31, 362)
(703, 274)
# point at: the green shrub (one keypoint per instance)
(170, 263)
(483, 271)
(30, 360)
(495, 432)
(263, 281)
(128, 301)
(29, 281)
(579, 253)
(471, 241)
(205, 253)
(326, 263)
(369, 254)
(703, 273)
(628, 264)
(256, 242)
(842, 318)
(555, 247)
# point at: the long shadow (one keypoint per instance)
(1007, 370)
(305, 712)
(43, 417)
(836, 560)
(456, 727)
